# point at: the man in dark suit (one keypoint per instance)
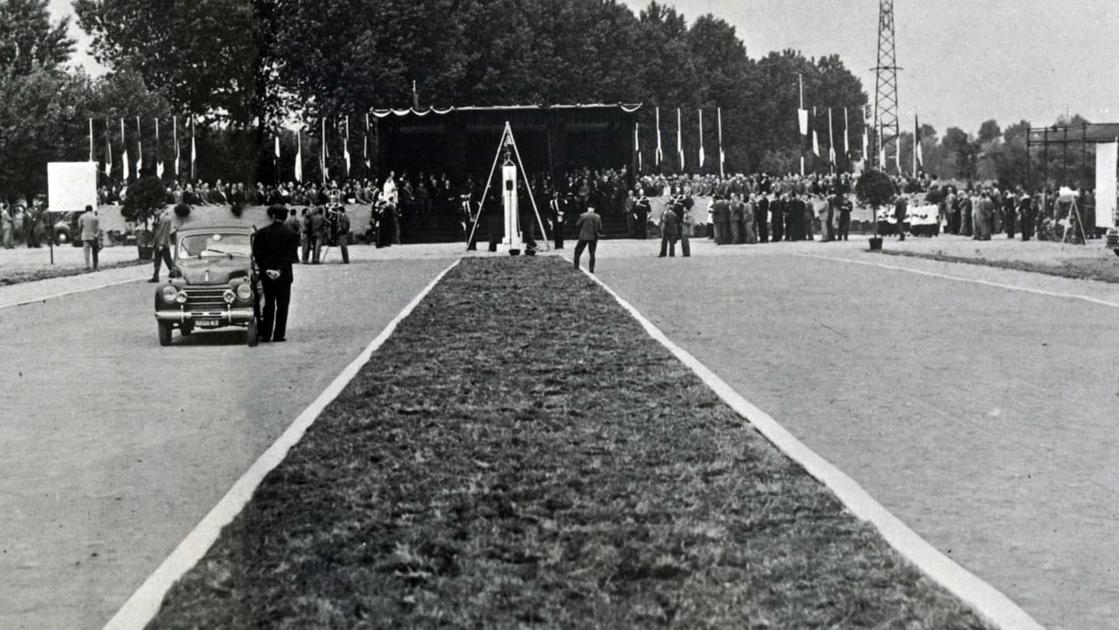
(274, 250)
(590, 227)
(761, 218)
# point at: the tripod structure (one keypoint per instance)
(508, 146)
(886, 83)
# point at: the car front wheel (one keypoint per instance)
(251, 332)
(164, 333)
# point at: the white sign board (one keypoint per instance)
(71, 186)
(1106, 157)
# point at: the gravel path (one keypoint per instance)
(984, 418)
(114, 447)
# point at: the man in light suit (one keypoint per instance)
(590, 227)
(89, 231)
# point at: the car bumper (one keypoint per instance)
(228, 317)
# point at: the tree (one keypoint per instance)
(146, 196)
(40, 122)
(202, 54)
(962, 151)
(989, 131)
(875, 189)
(27, 39)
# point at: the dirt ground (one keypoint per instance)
(982, 417)
(521, 453)
(113, 448)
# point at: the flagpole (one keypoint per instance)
(158, 161)
(322, 153)
(802, 114)
(299, 155)
(139, 148)
(108, 151)
(719, 117)
(175, 140)
(846, 136)
(831, 141)
(659, 155)
(124, 153)
(679, 141)
(701, 153)
(916, 141)
(193, 146)
(365, 146)
(277, 152)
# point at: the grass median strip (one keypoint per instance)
(521, 452)
(20, 276)
(1098, 268)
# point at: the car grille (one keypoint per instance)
(205, 299)
(1113, 240)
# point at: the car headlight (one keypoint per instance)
(244, 292)
(181, 298)
(169, 294)
(228, 295)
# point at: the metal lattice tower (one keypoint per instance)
(886, 84)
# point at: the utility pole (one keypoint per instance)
(886, 82)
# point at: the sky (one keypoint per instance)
(964, 61)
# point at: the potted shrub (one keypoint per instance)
(144, 199)
(875, 189)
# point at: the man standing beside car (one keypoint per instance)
(161, 244)
(274, 250)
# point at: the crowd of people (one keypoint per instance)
(24, 225)
(739, 208)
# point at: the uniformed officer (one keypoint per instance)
(274, 250)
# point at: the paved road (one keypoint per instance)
(984, 418)
(113, 448)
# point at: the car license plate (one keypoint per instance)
(207, 323)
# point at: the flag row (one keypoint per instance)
(186, 133)
(128, 169)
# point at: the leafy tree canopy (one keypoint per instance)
(28, 40)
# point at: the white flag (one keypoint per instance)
(193, 147)
(276, 150)
(881, 149)
(346, 146)
(846, 134)
(637, 143)
(659, 156)
(702, 157)
(815, 143)
(679, 140)
(158, 161)
(802, 116)
(722, 154)
(897, 155)
(831, 138)
(298, 156)
(365, 144)
(124, 153)
(139, 148)
(108, 151)
(91, 140)
(175, 133)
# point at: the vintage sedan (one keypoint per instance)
(212, 285)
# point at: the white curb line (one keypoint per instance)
(145, 603)
(65, 293)
(988, 283)
(984, 598)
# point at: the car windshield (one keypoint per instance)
(214, 244)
